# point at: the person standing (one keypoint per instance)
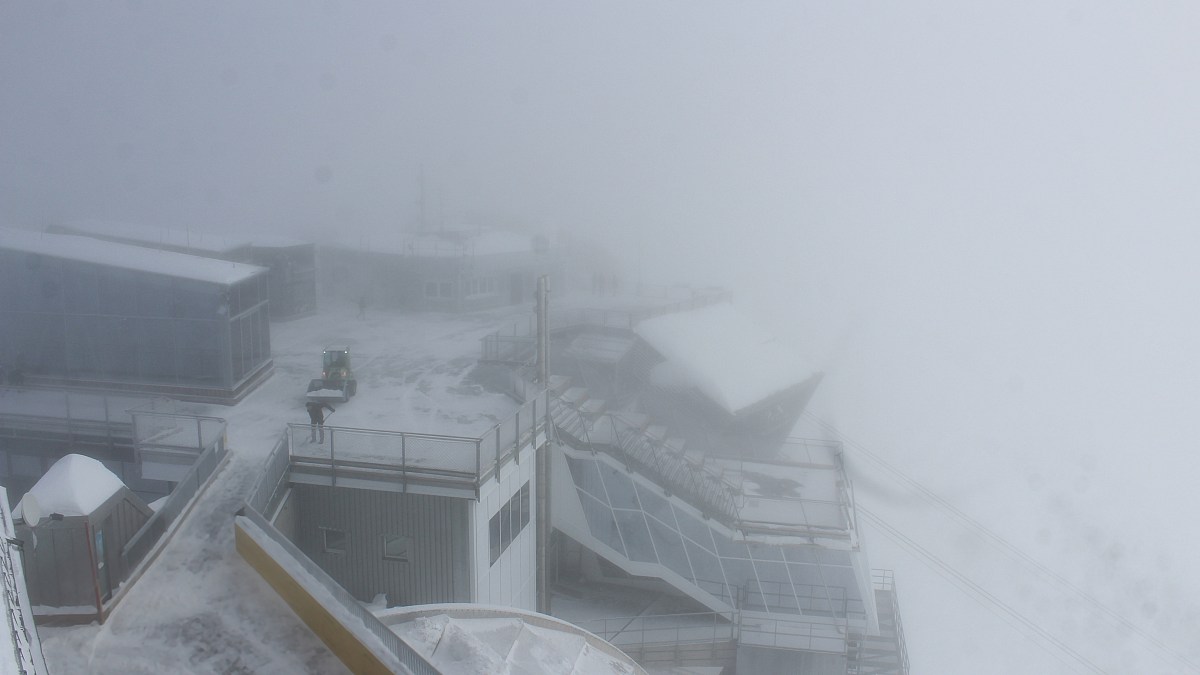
(316, 418)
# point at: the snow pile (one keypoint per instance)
(74, 486)
(504, 645)
(721, 353)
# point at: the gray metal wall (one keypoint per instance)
(438, 569)
(58, 570)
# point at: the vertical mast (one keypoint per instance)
(542, 479)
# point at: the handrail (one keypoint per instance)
(468, 458)
(682, 628)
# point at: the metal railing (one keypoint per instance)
(657, 629)
(762, 631)
(206, 463)
(264, 493)
(405, 456)
(176, 431)
(885, 581)
(346, 603)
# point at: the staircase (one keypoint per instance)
(629, 437)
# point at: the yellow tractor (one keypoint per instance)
(337, 381)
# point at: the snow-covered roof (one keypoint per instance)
(724, 355)
(446, 244)
(186, 238)
(127, 256)
(464, 639)
(156, 236)
(74, 486)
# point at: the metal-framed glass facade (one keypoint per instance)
(644, 525)
(82, 321)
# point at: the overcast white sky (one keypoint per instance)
(980, 220)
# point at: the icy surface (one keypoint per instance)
(721, 353)
(74, 486)
(127, 256)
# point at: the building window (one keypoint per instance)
(396, 547)
(524, 505)
(335, 540)
(494, 538)
(480, 287)
(509, 522)
(431, 289)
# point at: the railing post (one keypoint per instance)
(332, 463)
(199, 435)
(404, 462)
(496, 466)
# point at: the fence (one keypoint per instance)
(263, 495)
(202, 469)
(176, 431)
(345, 603)
(760, 631)
(697, 627)
(408, 456)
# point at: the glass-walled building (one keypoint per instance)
(292, 264)
(86, 312)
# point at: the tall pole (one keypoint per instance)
(542, 479)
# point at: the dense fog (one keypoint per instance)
(978, 221)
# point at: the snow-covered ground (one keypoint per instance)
(199, 608)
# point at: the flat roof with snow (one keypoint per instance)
(127, 256)
(724, 355)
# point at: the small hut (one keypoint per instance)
(72, 554)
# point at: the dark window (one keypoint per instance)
(396, 547)
(494, 538)
(335, 540)
(509, 521)
(524, 505)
